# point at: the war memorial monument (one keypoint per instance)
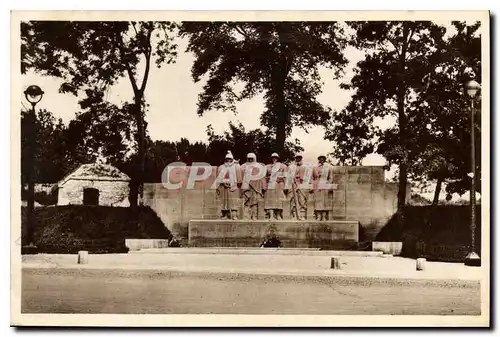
(300, 205)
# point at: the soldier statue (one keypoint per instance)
(229, 177)
(251, 189)
(322, 175)
(275, 188)
(300, 196)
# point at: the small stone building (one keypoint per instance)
(95, 184)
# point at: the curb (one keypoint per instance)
(259, 251)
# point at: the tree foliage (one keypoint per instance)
(236, 139)
(93, 135)
(104, 129)
(242, 142)
(277, 59)
(93, 55)
(50, 152)
(414, 74)
(449, 109)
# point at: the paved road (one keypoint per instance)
(168, 292)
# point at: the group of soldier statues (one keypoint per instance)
(274, 189)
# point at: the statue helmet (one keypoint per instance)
(275, 155)
(229, 155)
(252, 155)
(322, 156)
(298, 155)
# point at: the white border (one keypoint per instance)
(242, 320)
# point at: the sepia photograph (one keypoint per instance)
(250, 168)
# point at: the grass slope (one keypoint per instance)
(97, 229)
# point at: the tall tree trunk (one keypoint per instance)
(282, 120)
(437, 192)
(280, 73)
(402, 121)
(403, 184)
(428, 229)
(137, 186)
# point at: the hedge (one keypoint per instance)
(97, 229)
(440, 233)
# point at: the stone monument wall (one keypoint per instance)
(362, 195)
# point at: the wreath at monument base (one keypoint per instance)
(173, 242)
(271, 241)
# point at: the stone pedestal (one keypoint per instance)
(421, 264)
(394, 248)
(292, 234)
(83, 257)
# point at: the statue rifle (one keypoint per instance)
(253, 188)
(294, 193)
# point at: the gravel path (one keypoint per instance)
(152, 291)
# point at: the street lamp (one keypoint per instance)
(473, 259)
(33, 94)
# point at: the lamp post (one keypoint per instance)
(33, 94)
(472, 259)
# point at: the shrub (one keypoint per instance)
(97, 229)
(440, 233)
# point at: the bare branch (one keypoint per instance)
(125, 62)
(394, 45)
(147, 54)
(135, 29)
(411, 35)
(242, 31)
(408, 42)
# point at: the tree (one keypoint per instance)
(436, 144)
(388, 83)
(241, 142)
(237, 139)
(49, 156)
(277, 59)
(162, 153)
(95, 55)
(444, 138)
(460, 60)
(103, 130)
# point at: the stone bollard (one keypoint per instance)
(421, 264)
(83, 257)
(335, 264)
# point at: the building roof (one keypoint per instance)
(97, 172)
